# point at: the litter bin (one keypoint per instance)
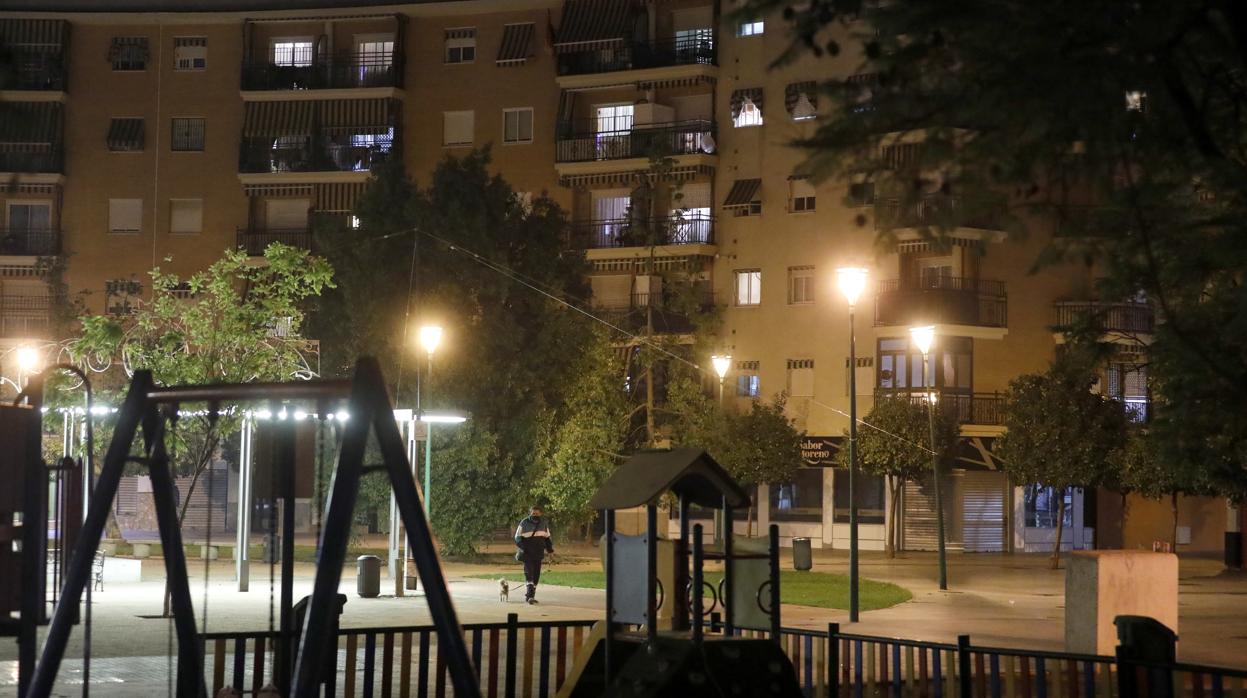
(802, 557)
(1146, 639)
(368, 576)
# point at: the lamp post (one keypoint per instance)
(852, 281)
(721, 364)
(430, 336)
(27, 363)
(923, 338)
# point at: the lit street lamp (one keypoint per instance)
(721, 364)
(430, 336)
(852, 281)
(923, 338)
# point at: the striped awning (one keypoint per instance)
(15, 186)
(23, 124)
(630, 178)
(588, 24)
(461, 33)
(743, 193)
(517, 43)
(280, 191)
(125, 134)
(275, 119)
(338, 197)
(356, 116)
(33, 32)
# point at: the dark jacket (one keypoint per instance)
(533, 538)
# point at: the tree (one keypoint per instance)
(465, 252)
(1060, 434)
(1117, 126)
(895, 443)
(1146, 474)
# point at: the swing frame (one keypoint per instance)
(369, 407)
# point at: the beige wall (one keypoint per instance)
(1149, 520)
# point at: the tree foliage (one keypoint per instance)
(1121, 127)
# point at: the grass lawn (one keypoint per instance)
(818, 589)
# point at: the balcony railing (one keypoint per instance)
(1128, 318)
(686, 229)
(936, 210)
(30, 241)
(949, 300)
(966, 407)
(314, 155)
(256, 240)
(671, 314)
(638, 55)
(25, 316)
(35, 159)
(37, 68)
(583, 143)
(345, 71)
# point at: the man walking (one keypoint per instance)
(532, 537)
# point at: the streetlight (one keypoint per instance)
(430, 336)
(721, 364)
(923, 338)
(27, 363)
(852, 281)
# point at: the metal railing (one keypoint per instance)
(255, 241)
(344, 71)
(966, 407)
(675, 229)
(936, 210)
(319, 155)
(1130, 318)
(638, 55)
(36, 159)
(25, 316)
(948, 300)
(583, 143)
(37, 68)
(529, 658)
(30, 241)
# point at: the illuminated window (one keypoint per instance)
(748, 287)
(750, 28)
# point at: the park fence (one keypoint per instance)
(532, 659)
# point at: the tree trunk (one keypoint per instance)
(1173, 506)
(1060, 527)
(201, 464)
(890, 536)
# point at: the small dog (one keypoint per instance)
(504, 591)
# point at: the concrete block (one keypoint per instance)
(1103, 584)
(109, 548)
(209, 552)
(142, 550)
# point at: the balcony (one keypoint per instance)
(583, 143)
(942, 300)
(256, 240)
(641, 55)
(939, 211)
(687, 229)
(325, 154)
(673, 313)
(25, 317)
(346, 71)
(966, 407)
(30, 241)
(37, 68)
(33, 160)
(1120, 318)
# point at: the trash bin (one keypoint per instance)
(329, 663)
(368, 576)
(802, 557)
(1146, 639)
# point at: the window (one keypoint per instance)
(293, 51)
(951, 366)
(1127, 383)
(374, 55)
(801, 499)
(750, 28)
(129, 53)
(748, 287)
(867, 490)
(1136, 101)
(800, 195)
(187, 135)
(747, 382)
(800, 285)
(29, 217)
(524, 199)
(517, 125)
(861, 193)
(801, 377)
(747, 107)
(1043, 503)
(461, 45)
(190, 53)
(353, 222)
(801, 99)
(125, 215)
(186, 215)
(457, 127)
(125, 135)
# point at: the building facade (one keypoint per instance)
(135, 139)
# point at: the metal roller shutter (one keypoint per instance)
(983, 511)
(918, 525)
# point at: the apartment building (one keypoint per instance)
(661, 127)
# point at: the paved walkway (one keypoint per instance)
(1002, 600)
